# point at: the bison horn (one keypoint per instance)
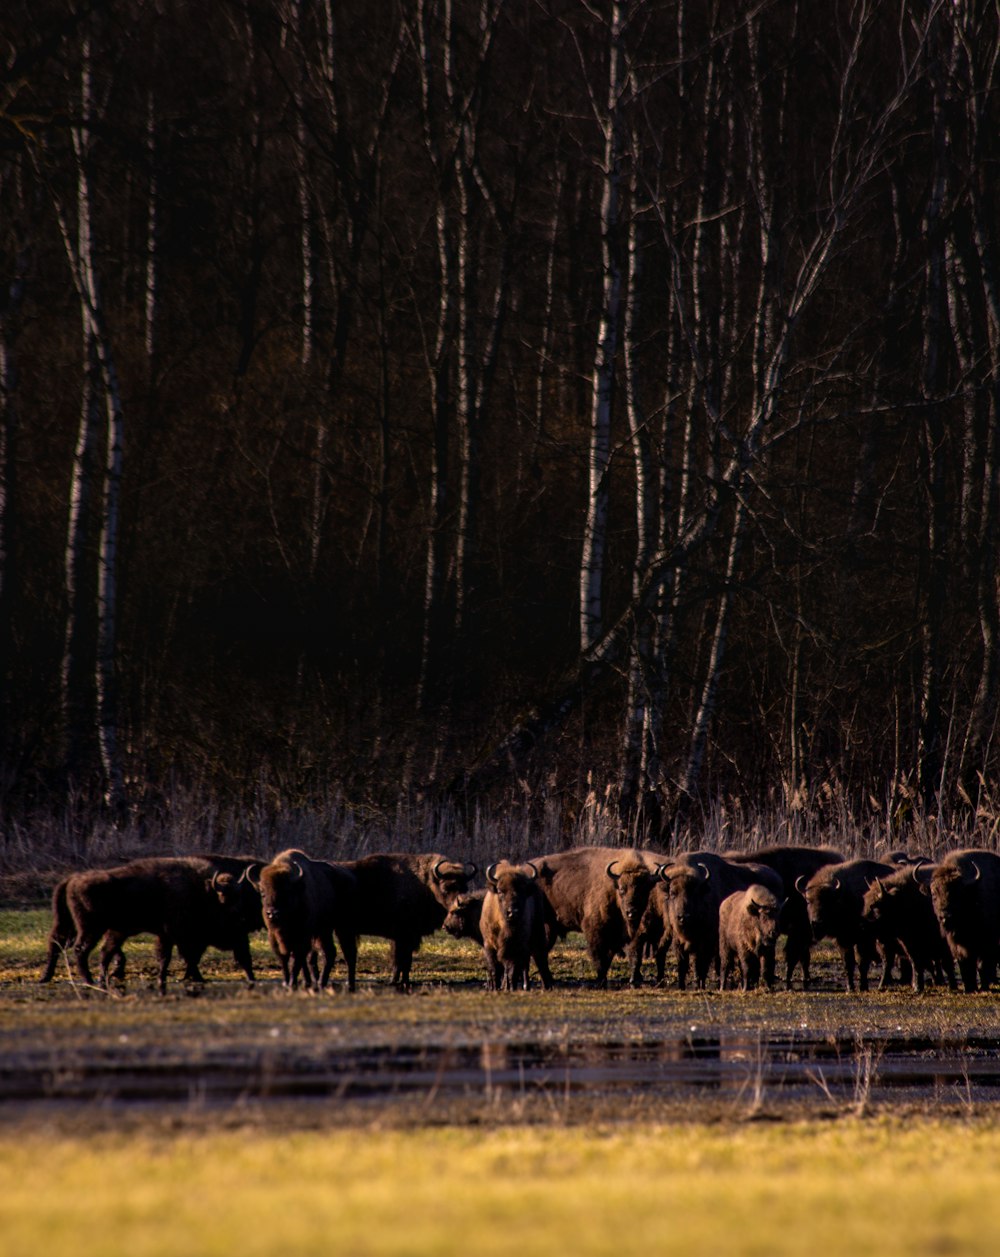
(614, 876)
(473, 870)
(977, 870)
(835, 883)
(491, 874)
(800, 883)
(915, 870)
(298, 869)
(705, 874)
(534, 871)
(214, 883)
(252, 874)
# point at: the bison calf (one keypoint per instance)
(512, 924)
(749, 924)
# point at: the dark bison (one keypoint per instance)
(305, 903)
(463, 917)
(697, 883)
(187, 902)
(899, 910)
(749, 923)
(965, 891)
(405, 897)
(602, 892)
(512, 924)
(791, 863)
(835, 897)
(655, 934)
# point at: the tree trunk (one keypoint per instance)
(595, 532)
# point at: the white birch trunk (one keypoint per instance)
(595, 532)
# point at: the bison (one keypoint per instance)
(899, 910)
(305, 903)
(512, 924)
(191, 902)
(965, 891)
(749, 924)
(405, 897)
(791, 863)
(697, 883)
(602, 892)
(834, 898)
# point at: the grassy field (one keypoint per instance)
(849, 1188)
(736, 1167)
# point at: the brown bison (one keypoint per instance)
(697, 883)
(405, 897)
(304, 904)
(791, 863)
(512, 925)
(834, 898)
(749, 923)
(191, 902)
(602, 892)
(965, 891)
(899, 910)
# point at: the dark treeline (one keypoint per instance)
(510, 397)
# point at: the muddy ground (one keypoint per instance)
(450, 1051)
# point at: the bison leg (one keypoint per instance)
(494, 970)
(634, 954)
(57, 948)
(329, 959)
(725, 965)
(683, 960)
(541, 959)
(349, 946)
(241, 954)
(768, 966)
(82, 948)
(847, 953)
(968, 969)
(112, 949)
(164, 951)
(402, 960)
(703, 961)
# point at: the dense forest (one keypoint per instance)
(500, 400)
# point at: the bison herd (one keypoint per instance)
(717, 912)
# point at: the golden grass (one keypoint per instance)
(816, 1188)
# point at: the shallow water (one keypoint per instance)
(790, 1068)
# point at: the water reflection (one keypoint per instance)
(725, 1062)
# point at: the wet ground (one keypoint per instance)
(751, 1068)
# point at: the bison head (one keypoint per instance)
(514, 888)
(633, 882)
(282, 888)
(463, 916)
(825, 901)
(450, 878)
(691, 901)
(954, 894)
(764, 910)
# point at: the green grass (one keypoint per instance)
(831, 1188)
